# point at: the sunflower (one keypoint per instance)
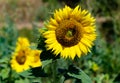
(36, 62)
(21, 58)
(71, 32)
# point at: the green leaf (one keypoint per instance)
(5, 73)
(22, 81)
(81, 75)
(26, 74)
(26, 81)
(4, 60)
(46, 62)
(19, 81)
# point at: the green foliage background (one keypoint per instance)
(105, 53)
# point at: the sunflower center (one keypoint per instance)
(21, 58)
(68, 33)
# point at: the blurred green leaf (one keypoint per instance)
(22, 81)
(81, 75)
(46, 62)
(26, 74)
(5, 73)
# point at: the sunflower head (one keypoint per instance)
(70, 32)
(21, 57)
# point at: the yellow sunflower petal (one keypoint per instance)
(65, 53)
(75, 11)
(72, 52)
(51, 27)
(86, 42)
(78, 51)
(83, 48)
(53, 22)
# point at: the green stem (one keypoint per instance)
(54, 71)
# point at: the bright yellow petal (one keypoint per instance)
(51, 27)
(53, 22)
(83, 48)
(78, 51)
(72, 52)
(75, 11)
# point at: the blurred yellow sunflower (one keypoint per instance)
(24, 57)
(70, 32)
(21, 58)
(36, 62)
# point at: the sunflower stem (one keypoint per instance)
(54, 70)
